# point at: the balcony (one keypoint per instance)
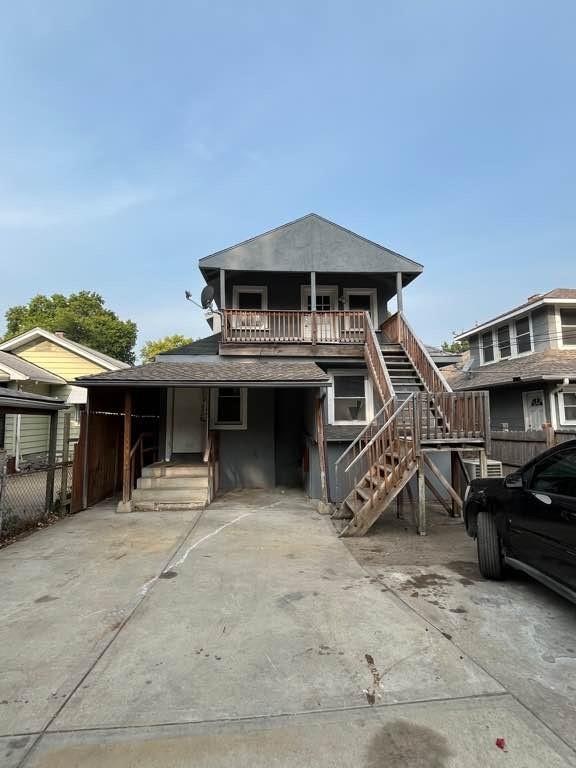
(271, 326)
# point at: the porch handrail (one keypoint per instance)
(361, 434)
(399, 330)
(292, 326)
(375, 362)
(385, 426)
(139, 446)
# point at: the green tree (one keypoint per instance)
(82, 317)
(153, 348)
(455, 347)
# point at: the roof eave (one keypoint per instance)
(253, 384)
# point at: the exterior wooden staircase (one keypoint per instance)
(419, 410)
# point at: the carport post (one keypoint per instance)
(51, 461)
(126, 490)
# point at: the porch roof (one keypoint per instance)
(17, 401)
(255, 373)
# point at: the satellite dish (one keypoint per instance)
(207, 296)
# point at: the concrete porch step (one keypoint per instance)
(165, 506)
(174, 482)
(175, 470)
(180, 495)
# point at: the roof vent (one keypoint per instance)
(534, 297)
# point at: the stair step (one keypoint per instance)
(173, 481)
(175, 470)
(363, 493)
(186, 495)
(166, 506)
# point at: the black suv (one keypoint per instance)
(527, 520)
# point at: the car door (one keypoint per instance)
(542, 521)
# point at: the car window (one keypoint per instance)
(556, 474)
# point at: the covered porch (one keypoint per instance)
(169, 435)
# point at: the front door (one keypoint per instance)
(326, 302)
(534, 413)
(187, 429)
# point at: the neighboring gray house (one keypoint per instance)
(526, 358)
(307, 363)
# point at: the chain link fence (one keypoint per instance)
(26, 499)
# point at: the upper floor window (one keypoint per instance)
(568, 326)
(487, 347)
(504, 345)
(523, 338)
(250, 297)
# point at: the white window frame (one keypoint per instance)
(363, 292)
(513, 345)
(368, 394)
(561, 344)
(561, 408)
(243, 423)
(261, 289)
(331, 290)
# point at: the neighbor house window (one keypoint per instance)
(523, 338)
(350, 398)
(568, 323)
(487, 347)
(504, 346)
(567, 402)
(228, 408)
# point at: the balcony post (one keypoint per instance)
(313, 305)
(399, 300)
(222, 289)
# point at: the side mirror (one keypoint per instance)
(514, 480)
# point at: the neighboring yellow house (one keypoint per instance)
(48, 364)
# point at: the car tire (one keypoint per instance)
(489, 552)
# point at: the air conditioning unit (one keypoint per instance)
(473, 468)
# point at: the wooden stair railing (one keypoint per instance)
(382, 468)
(376, 364)
(211, 459)
(397, 329)
(138, 451)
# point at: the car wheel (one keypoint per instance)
(489, 553)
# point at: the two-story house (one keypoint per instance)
(309, 381)
(526, 358)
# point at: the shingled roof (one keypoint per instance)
(550, 365)
(222, 372)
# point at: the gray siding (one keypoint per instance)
(475, 351)
(506, 406)
(247, 456)
(541, 330)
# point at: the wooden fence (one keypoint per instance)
(514, 449)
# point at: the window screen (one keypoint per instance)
(349, 398)
(568, 319)
(229, 409)
(504, 347)
(249, 300)
(523, 341)
(360, 301)
(487, 347)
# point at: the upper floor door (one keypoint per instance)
(326, 301)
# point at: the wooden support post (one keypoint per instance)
(483, 462)
(49, 502)
(126, 489)
(313, 329)
(435, 492)
(456, 478)
(321, 440)
(222, 289)
(84, 433)
(421, 524)
(65, 453)
(442, 480)
(399, 299)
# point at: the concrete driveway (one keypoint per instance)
(249, 635)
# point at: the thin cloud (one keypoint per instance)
(65, 213)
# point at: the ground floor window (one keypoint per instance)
(350, 398)
(567, 402)
(228, 408)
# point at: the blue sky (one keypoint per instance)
(138, 136)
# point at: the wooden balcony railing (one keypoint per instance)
(397, 329)
(271, 326)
